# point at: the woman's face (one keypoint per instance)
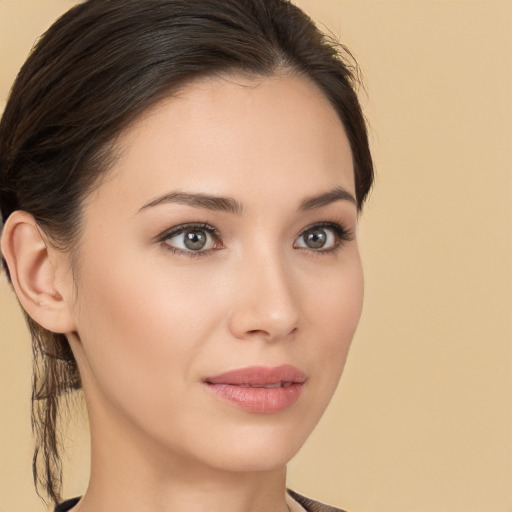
(219, 279)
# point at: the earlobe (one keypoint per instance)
(33, 273)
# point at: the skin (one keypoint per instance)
(148, 320)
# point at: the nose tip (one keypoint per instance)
(266, 308)
(256, 322)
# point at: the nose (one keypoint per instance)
(266, 306)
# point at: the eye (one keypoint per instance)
(191, 238)
(322, 237)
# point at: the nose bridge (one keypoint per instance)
(266, 305)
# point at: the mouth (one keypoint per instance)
(266, 386)
(259, 389)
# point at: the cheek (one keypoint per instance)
(346, 308)
(140, 327)
(335, 311)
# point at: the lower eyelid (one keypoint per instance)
(189, 254)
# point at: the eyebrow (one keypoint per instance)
(230, 205)
(326, 198)
(223, 204)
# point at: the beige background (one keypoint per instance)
(423, 419)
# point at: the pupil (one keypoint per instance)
(195, 240)
(316, 239)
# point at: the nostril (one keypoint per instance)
(271, 333)
(258, 332)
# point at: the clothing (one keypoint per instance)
(66, 505)
(312, 505)
(309, 504)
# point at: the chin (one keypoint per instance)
(252, 448)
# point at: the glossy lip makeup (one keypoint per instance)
(259, 389)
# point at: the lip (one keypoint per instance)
(259, 389)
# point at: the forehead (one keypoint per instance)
(234, 136)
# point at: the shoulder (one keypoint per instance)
(312, 505)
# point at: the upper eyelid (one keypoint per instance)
(176, 230)
(337, 226)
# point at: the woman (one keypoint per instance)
(180, 188)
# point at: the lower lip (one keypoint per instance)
(258, 400)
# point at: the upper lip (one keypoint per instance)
(259, 376)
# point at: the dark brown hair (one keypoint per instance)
(92, 73)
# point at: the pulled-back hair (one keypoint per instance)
(93, 73)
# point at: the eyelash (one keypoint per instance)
(342, 235)
(178, 230)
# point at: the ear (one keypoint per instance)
(34, 267)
